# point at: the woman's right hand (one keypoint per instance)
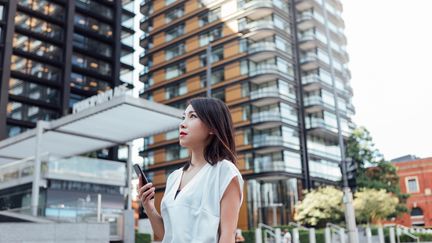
(146, 195)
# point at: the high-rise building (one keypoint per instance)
(56, 52)
(278, 65)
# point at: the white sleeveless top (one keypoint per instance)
(194, 215)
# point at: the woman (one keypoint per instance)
(202, 199)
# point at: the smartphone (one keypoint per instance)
(139, 172)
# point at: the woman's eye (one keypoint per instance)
(193, 115)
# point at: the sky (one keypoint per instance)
(390, 49)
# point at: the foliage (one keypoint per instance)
(320, 206)
(372, 170)
(373, 205)
(142, 238)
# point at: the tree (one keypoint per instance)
(320, 206)
(372, 169)
(372, 205)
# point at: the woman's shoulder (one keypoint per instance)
(174, 174)
(227, 165)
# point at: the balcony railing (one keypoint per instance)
(262, 46)
(261, 140)
(264, 69)
(266, 116)
(265, 164)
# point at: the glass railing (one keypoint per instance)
(325, 170)
(258, 24)
(319, 123)
(260, 93)
(267, 140)
(259, 165)
(262, 46)
(263, 69)
(324, 151)
(266, 116)
(309, 57)
(255, 4)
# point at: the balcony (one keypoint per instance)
(144, 23)
(319, 127)
(264, 73)
(266, 164)
(305, 21)
(308, 42)
(328, 171)
(144, 38)
(323, 151)
(262, 50)
(267, 140)
(257, 9)
(265, 120)
(257, 30)
(309, 62)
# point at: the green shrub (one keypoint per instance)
(142, 238)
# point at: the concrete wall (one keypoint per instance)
(53, 233)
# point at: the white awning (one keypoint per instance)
(118, 121)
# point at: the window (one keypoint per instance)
(174, 14)
(209, 17)
(209, 36)
(217, 55)
(175, 70)
(90, 63)
(34, 46)
(174, 32)
(20, 111)
(44, 7)
(95, 7)
(87, 83)
(89, 44)
(219, 94)
(168, 2)
(174, 51)
(216, 77)
(33, 91)
(38, 26)
(175, 90)
(412, 184)
(93, 25)
(36, 69)
(175, 152)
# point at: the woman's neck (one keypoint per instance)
(197, 157)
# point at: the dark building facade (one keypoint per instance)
(55, 53)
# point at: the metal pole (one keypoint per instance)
(349, 207)
(295, 235)
(392, 235)
(129, 176)
(312, 237)
(258, 235)
(327, 234)
(99, 207)
(368, 234)
(381, 234)
(37, 168)
(278, 234)
(208, 79)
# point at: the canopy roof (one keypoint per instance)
(117, 121)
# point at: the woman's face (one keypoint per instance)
(192, 131)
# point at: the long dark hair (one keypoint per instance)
(216, 115)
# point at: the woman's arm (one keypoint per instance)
(145, 193)
(230, 208)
